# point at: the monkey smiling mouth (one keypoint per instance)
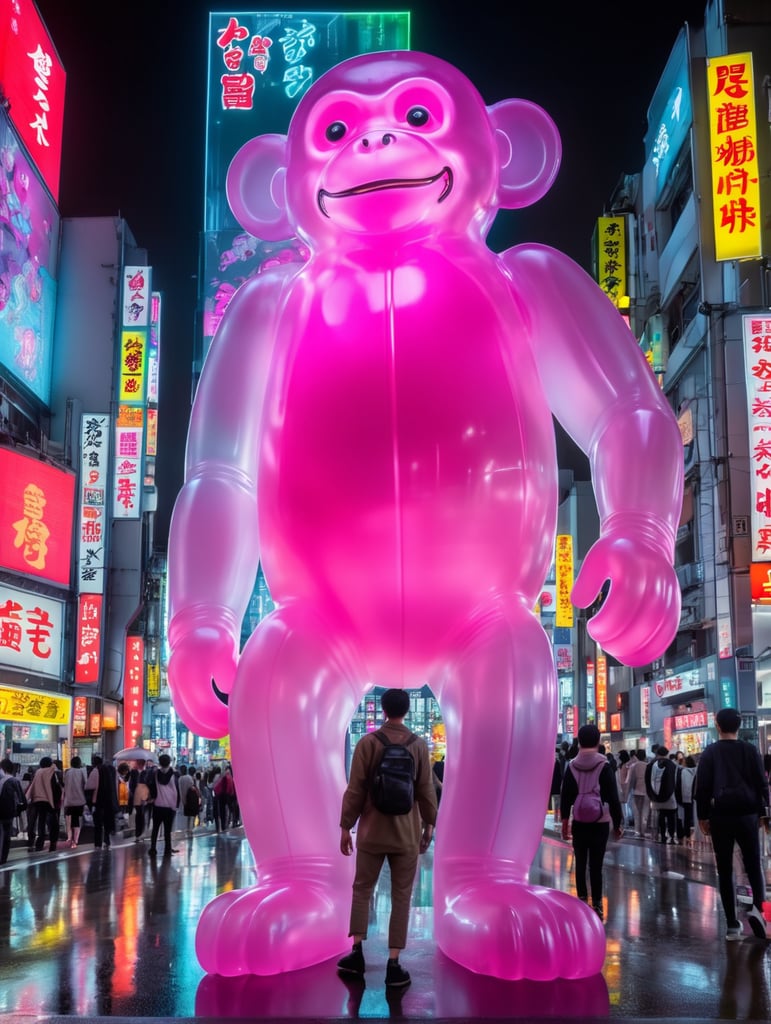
(385, 184)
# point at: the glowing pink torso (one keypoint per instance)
(394, 480)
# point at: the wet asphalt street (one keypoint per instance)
(91, 934)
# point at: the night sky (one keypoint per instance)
(135, 119)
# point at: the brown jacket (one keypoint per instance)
(388, 833)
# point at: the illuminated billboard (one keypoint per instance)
(670, 115)
(94, 479)
(260, 65)
(29, 244)
(33, 82)
(31, 632)
(36, 514)
(756, 339)
(733, 133)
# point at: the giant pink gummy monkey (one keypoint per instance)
(375, 426)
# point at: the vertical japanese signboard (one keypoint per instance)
(136, 305)
(733, 136)
(94, 469)
(610, 258)
(756, 337)
(134, 687)
(88, 639)
(564, 569)
(33, 82)
(602, 692)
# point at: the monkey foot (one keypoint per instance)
(508, 929)
(273, 927)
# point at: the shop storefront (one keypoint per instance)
(33, 724)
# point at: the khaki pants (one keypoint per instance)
(368, 866)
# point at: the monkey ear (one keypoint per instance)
(530, 150)
(255, 188)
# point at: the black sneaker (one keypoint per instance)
(757, 922)
(353, 963)
(396, 976)
(597, 908)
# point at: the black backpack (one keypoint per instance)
(192, 802)
(12, 800)
(393, 779)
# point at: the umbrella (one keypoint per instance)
(133, 754)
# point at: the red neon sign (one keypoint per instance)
(89, 638)
(33, 82)
(37, 504)
(134, 687)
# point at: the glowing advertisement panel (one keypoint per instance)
(563, 562)
(94, 477)
(611, 257)
(29, 239)
(733, 132)
(31, 632)
(260, 64)
(134, 687)
(88, 638)
(670, 114)
(17, 705)
(756, 338)
(36, 514)
(127, 461)
(33, 84)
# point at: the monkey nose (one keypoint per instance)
(385, 140)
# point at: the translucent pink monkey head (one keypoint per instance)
(397, 144)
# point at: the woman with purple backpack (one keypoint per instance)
(589, 790)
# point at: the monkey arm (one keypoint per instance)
(213, 543)
(602, 391)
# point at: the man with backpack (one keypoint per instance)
(391, 794)
(660, 779)
(589, 790)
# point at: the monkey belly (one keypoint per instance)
(408, 472)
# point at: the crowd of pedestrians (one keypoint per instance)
(721, 796)
(47, 806)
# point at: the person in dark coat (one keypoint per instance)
(102, 795)
(731, 799)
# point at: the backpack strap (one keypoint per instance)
(388, 743)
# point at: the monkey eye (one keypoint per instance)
(335, 131)
(417, 117)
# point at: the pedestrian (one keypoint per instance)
(164, 794)
(684, 786)
(184, 781)
(124, 806)
(207, 795)
(45, 797)
(731, 798)
(74, 800)
(639, 794)
(102, 798)
(625, 763)
(558, 773)
(660, 777)
(12, 803)
(139, 794)
(437, 770)
(589, 779)
(224, 796)
(399, 838)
